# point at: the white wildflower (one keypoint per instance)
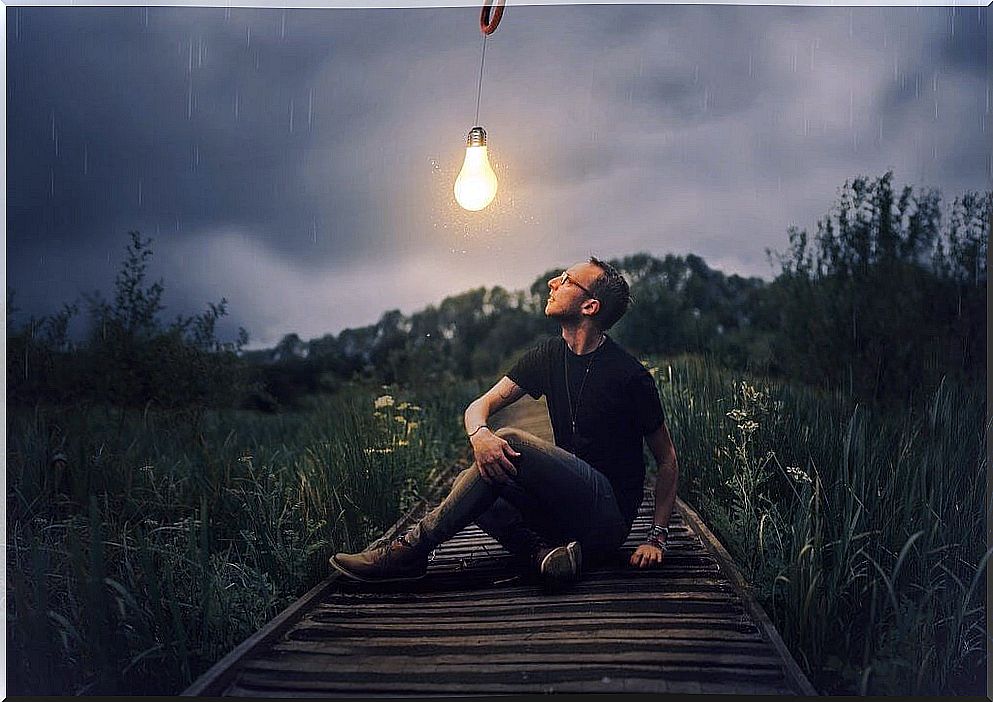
(383, 401)
(370, 451)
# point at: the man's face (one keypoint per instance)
(568, 298)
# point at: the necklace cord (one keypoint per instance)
(574, 412)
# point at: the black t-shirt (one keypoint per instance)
(615, 404)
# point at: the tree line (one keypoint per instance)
(884, 299)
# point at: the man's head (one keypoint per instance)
(593, 291)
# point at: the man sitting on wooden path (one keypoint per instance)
(554, 504)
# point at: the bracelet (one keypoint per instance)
(473, 432)
(657, 536)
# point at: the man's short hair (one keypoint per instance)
(613, 292)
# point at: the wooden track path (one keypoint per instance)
(473, 626)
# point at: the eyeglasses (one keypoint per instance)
(566, 278)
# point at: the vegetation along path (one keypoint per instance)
(472, 626)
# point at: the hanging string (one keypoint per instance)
(489, 18)
(479, 88)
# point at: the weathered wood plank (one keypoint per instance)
(686, 583)
(521, 669)
(512, 604)
(675, 606)
(605, 684)
(656, 628)
(362, 639)
(690, 649)
(714, 666)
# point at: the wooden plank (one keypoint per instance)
(663, 608)
(693, 648)
(604, 684)
(363, 637)
(672, 625)
(685, 582)
(472, 581)
(482, 670)
(552, 603)
(496, 666)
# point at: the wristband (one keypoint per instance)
(473, 432)
(657, 536)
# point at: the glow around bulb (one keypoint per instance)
(476, 185)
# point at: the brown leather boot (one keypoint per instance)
(397, 560)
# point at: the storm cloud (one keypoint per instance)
(300, 162)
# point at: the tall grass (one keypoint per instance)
(162, 546)
(862, 530)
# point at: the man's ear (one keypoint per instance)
(591, 307)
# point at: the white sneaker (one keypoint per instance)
(561, 565)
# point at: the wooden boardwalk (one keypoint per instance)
(473, 626)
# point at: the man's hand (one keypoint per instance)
(493, 456)
(646, 556)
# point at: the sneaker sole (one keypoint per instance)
(344, 571)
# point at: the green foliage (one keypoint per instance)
(888, 297)
(157, 556)
(862, 529)
(682, 305)
(466, 336)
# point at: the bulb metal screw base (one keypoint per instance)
(477, 137)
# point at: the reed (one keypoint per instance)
(163, 545)
(861, 529)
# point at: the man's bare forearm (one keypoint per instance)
(505, 392)
(476, 413)
(665, 490)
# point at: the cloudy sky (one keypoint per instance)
(300, 162)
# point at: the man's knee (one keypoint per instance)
(512, 435)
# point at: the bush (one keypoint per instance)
(130, 359)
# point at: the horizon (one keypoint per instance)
(79, 326)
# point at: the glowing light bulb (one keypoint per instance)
(476, 185)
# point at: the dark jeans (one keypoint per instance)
(555, 497)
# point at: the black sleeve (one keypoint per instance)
(530, 370)
(644, 394)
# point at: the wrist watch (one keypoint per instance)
(657, 536)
